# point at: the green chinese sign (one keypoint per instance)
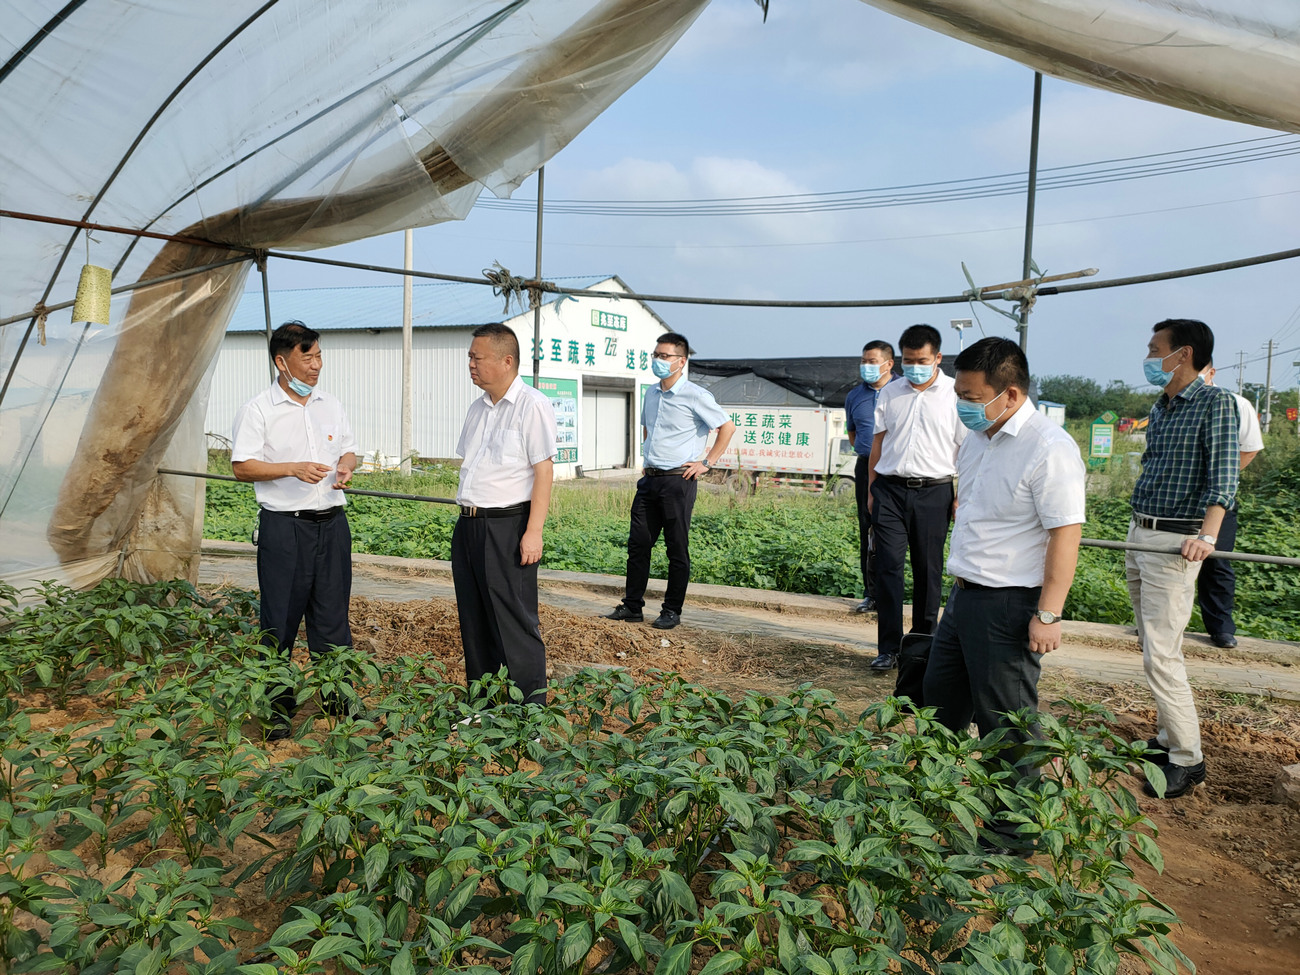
(563, 394)
(607, 319)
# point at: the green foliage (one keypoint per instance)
(1085, 399)
(623, 825)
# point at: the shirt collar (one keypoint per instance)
(280, 395)
(1017, 420)
(510, 395)
(1188, 392)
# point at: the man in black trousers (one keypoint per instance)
(910, 473)
(508, 446)
(294, 443)
(1015, 544)
(676, 420)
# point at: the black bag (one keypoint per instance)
(913, 657)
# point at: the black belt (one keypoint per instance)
(664, 471)
(916, 482)
(1178, 526)
(472, 511)
(980, 587)
(309, 514)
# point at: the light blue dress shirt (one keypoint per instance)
(677, 423)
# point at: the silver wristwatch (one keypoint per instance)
(1208, 539)
(1047, 617)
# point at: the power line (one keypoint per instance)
(944, 191)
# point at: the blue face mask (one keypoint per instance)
(918, 375)
(297, 386)
(1154, 370)
(974, 417)
(662, 368)
(870, 372)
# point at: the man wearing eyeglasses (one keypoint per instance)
(676, 420)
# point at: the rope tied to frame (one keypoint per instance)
(1026, 294)
(506, 285)
(42, 313)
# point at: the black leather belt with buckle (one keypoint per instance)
(1178, 526)
(472, 511)
(980, 587)
(916, 482)
(310, 514)
(664, 471)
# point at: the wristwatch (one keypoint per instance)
(1209, 539)
(705, 462)
(1047, 617)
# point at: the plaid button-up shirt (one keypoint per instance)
(1192, 455)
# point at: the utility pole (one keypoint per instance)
(1241, 372)
(1268, 388)
(408, 263)
(1023, 326)
(537, 273)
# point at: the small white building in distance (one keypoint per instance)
(595, 364)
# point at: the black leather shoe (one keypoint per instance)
(867, 605)
(667, 620)
(999, 845)
(1153, 745)
(1225, 641)
(1179, 779)
(621, 612)
(884, 662)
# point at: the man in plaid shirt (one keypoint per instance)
(1188, 481)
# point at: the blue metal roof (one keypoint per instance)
(436, 305)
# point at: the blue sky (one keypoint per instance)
(835, 95)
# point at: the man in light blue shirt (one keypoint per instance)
(676, 420)
(877, 371)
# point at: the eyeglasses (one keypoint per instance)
(664, 356)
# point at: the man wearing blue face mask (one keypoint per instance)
(295, 444)
(1015, 542)
(876, 371)
(676, 420)
(1188, 482)
(910, 473)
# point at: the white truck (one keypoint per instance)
(798, 446)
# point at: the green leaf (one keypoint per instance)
(1058, 961)
(402, 963)
(376, 862)
(575, 943)
(723, 963)
(676, 959)
(677, 889)
(331, 946)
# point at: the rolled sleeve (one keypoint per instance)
(1222, 452)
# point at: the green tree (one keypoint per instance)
(1083, 398)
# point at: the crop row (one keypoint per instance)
(655, 827)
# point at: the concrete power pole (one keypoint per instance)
(1241, 372)
(407, 263)
(1268, 388)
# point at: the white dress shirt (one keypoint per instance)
(274, 428)
(1011, 489)
(500, 443)
(922, 432)
(1249, 437)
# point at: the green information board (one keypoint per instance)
(1101, 443)
(563, 394)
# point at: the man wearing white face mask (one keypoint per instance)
(1015, 543)
(676, 420)
(911, 470)
(294, 443)
(876, 371)
(1189, 479)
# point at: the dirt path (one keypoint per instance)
(1232, 855)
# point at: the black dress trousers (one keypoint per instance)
(1216, 586)
(662, 505)
(496, 598)
(908, 520)
(304, 568)
(865, 554)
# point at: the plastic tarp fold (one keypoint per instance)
(1236, 59)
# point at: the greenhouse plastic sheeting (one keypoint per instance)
(305, 123)
(1237, 59)
(251, 123)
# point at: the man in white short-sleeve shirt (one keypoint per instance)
(1020, 514)
(295, 444)
(910, 474)
(1216, 586)
(508, 446)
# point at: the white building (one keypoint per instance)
(595, 363)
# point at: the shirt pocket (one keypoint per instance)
(510, 446)
(330, 437)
